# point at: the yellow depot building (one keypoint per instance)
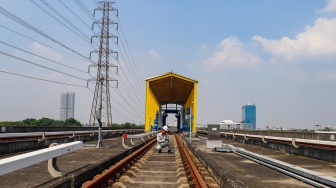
(171, 93)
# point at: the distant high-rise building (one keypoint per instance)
(249, 116)
(67, 105)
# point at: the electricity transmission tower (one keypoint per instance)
(101, 104)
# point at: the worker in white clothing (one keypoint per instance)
(163, 139)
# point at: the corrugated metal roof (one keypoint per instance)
(171, 87)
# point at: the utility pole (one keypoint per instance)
(101, 104)
(98, 116)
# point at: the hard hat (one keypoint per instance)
(165, 128)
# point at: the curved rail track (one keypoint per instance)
(147, 168)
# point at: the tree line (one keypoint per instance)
(43, 122)
(71, 122)
(127, 125)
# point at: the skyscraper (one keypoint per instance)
(249, 116)
(67, 105)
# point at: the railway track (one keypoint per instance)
(147, 168)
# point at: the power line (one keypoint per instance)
(129, 58)
(27, 25)
(128, 85)
(137, 115)
(95, 2)
(120, 94)
(123, 115)
(123, 97)
(41, 42)
(129, 51)
(78, 32)
(135, 94)
(128, 81)
(116, 101)
(129, 72)
(41, 79)
(65, 19)
(115, 110)
(85, 10)
(83, 37)
(42, 57)
(74, 14)
(134, 101)
(42, 66)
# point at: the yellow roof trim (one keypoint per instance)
(171, 74)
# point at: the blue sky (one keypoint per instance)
(279, 55)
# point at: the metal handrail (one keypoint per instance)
(134, 136)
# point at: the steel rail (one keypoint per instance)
(103, 178)
(197, 177)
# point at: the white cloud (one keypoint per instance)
(46, 52)
(330, 7)
(153, 54)
(316, 41)
(231, 53)
(203, 47)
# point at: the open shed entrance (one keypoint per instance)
(171, 95)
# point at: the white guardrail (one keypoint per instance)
(11, 164)
(293, 141)
(44, 135)
(132, 136)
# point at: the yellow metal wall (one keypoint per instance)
(152, 106)
(192, 98)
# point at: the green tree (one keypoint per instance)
(10, 123)
(326, 129)
(45, 122)
(29, 121)
(59, 123)
(128, 125)
(71, 122)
